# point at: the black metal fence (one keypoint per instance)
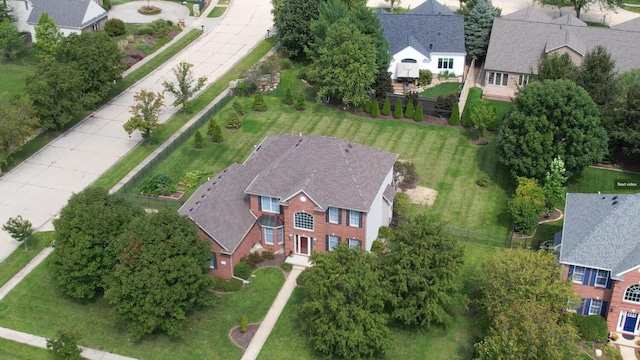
(477, 237)
(129, 186)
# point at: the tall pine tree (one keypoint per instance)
(477, 28)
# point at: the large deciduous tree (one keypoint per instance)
(56, 93)
(85, 237)
(598, 76)
(579, 5)
(48, 38)
(293, 18)
(555, 67)
(17, 123)
(420, 271)
(477, 28)
(345, 68)
(97, 58)
(11, 42)
(145, 113)
(343, 306)
(162, 273)
(551, 119)
(624, 127)
(186, 85)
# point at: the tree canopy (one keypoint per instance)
(186, 85)
(598, 76)
(48, 37)
(579, 5)
(624, 127)
(526, 204)
(345, 67)
(162, 272)
(343, 307)
(420, 271)
(11, 42)
(477, 28)
(293, 20)
(17, 123)
(20, 229)
(145, 113)
(551, 119)
(555, 67)
(86, 230)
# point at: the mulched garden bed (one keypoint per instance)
(134, 54)
(243, 339)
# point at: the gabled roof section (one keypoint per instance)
(73, 14)
(331, 171)
(567, 39)
(430, 27)
(601, 231)
(569, 20)
(528, 14)
(630, 25)
(431, 7)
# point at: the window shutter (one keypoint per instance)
(280, 210)
(349, 217)
(570, 272)
(339, 216)
(587, 306)
(609, 281)
(603, 311)
(339, 240)
(260, 203)
(587, 276)
(581, 307)
(592, 280)
(360, 219)
(327, 215)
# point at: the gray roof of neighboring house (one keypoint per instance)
(75, 14)
(518, 40)
(331, 171)
(601, 231)
(430, 27)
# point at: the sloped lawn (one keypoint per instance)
(35, 306)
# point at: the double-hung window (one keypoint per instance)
(499, 79)
(601, 278)
(334, 215)
(445, 63)
(332, 241)
(578, 274)
(523, 79)
(268, 236)
(213, 264)
(270, 204)
(355, 243)
(596, 307)
(355, 218)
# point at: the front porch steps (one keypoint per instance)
(298, 260)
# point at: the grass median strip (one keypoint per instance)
(19, 258)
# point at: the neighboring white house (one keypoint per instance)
(71, 16)
(428, 37)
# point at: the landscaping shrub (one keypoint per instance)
(591, 328)
(237, 107)
(268, 255)
(160, 184)
(288, 96)
(191, 178)
(258, 102)
(144, 30)
(375, 109)
(106, 4)
(483, 180)
(377, 247)
(252, 259)
(419, 114)
(285, 63)
(300, 105)
(397, 110)
(114, 27)
(526, 204)
(226, 285)
(386, 107)
(65, 347)
(302, 278)
(245, 88)
(410, 111)
(161, 27)
(407, 171)
(384, 232)
(425, 77)
(286, 266)
(444, 104)
(368, 106)
(234, 121)
(243, 323)
(242, 270)
(495, 122)
(198, 143)
(401, 207)
(215, 131)
(454, 118)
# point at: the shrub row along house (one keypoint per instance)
(519, 39)
(599, 252)
(295, 194)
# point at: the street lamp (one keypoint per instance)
(267, 32)
(202, 27)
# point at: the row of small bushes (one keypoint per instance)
(255, 258)
(411, 112)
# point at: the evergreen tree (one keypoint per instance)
(234, 121)
(258, 102)
(375, 109)
(419, 113)
(477, 28)
(216, 131)
(48, 38)
(410, 111)
(300, 105)
(367, 107)
(555, 67)
(397, 111)
(288, 96)
(386, 107)
(238, 108)
(598, 76)
(454, 119)
(382, 84)
(198, 143)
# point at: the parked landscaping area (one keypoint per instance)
(29, 307)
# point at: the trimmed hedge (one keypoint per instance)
(591, 328)
(242, 270)
(454, 119)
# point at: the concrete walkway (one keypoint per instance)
(272, 316)
(39, 187)
(628, 353)
(15, 280)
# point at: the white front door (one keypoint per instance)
(303, 245)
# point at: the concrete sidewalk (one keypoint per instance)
(258, 340)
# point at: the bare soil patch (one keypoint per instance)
(422, 195)
(243, 339)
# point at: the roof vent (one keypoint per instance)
(615, 202)
(615, 197)
(604, 197)
(350, 146)
(346, 150)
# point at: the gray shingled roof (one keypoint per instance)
(428, 28)
(331, 171)
(518, 40)
(600, 234)
(75, 14)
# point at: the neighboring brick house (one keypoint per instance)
(520, 39)
(428, 37)
(71, 16)
(600, 252)
(294, 194)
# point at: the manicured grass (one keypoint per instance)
(10, 350)
(592, 180)
(126, 164)
(36, 307)
(445, 89)
(217, 11)
(14, 74)
(19, 258)
(286, 341)
(597, 24)
(502, 108)
(631, 8)
(46, 137)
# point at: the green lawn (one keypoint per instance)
(502, 108)
(445, 88)
(36, 307)
(19, 258)
(217, 11)
(596, 24)
(286, 342)
(13, 74)
(10, 350)
(592, 180)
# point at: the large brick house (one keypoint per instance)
(294, 194)
(600, 252)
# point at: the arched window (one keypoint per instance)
(411, 61)
(302, 220)
(632, 293)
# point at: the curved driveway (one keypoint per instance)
(39, 187)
